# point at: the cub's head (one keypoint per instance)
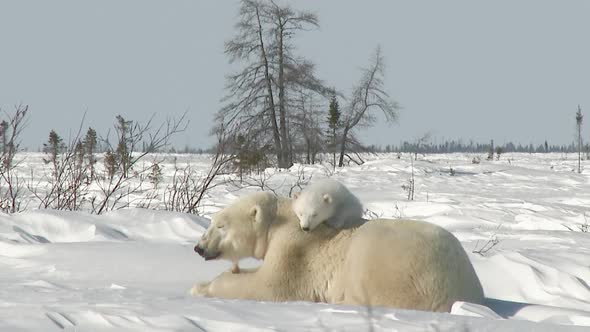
(240, 230)
(312, 209)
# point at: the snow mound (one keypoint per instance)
(522, 277)
(139, 224)
(49, 226)
(16, 250)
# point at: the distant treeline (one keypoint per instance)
(452, 146)
(471, 147)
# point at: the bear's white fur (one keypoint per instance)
(240, 240)
(396, 263)
(327, 201)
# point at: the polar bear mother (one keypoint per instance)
(402, 264)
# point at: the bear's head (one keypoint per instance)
(240, 230)
(312, 208)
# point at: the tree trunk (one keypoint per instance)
(334, 147)
(343, 147)
(285, 162)
(271, 103)
(579, 148)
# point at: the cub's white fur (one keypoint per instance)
(327, 201)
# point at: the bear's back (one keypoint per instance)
(409, 264)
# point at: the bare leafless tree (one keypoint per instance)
(257, 94)
(11, 183)
(279, 183)
(306, 131)
(410, 185)
(65, 187)
(367, 97)
(116, 189)
(420, 143)
(188, 187)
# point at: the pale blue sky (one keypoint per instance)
(507, 70)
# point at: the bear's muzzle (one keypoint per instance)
(199, 250)
(206, 255)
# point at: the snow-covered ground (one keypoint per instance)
(132, 269)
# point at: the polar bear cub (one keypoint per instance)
(327, 201)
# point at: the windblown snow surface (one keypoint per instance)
(131, 270)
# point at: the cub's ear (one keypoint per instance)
(296, 195)
(256, 213)
(327, 198)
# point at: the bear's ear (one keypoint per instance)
(255, 213)
(327, 198)
(296, 195)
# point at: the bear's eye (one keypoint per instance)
(220, 226)
(314, 215)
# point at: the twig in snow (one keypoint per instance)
(492, 242)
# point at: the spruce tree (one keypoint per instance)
(333, 124)
(546, 146)
(499, 151)
(123, 156)
(155, 175)
(110, 164)
(79, 154)
(90, 143)
(53, 147)
(3, 134)
(579, 118)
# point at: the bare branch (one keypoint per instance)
(116, 188)
(368, 96)
(11, 183)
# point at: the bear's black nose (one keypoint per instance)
(305, 228)
(199, 250)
